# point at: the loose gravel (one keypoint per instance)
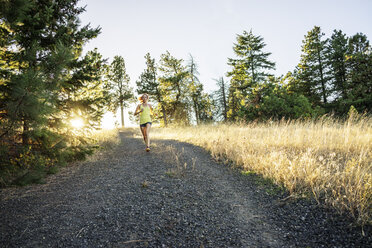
(174, 196)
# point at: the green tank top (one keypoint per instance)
(145, 114)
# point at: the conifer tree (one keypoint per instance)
(336, 51)
(249, 70)
(233, 101)
(121, 90)
(42, 73)
(173, 81)
(148, 83)
(206, 108)
(46, 42)
(312, 70)
(359, 73)
(200, 101)
(92, 98)
(220, 97)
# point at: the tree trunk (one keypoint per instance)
(196, 112)
(122, 113)
(232, 103)
(158, 97)
(322, 78)
(224, 100)
(164, 115)
(343, 78)
(24, 133)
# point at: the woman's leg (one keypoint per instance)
(143, 131)
(147, 131)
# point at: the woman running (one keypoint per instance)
(145, 111)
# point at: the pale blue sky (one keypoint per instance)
(207, 29)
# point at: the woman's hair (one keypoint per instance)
(141, 97)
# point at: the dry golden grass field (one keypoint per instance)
(329, 159)
(106, 137)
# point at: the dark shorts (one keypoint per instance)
(144, 124)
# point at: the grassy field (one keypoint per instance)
(327, 158)
(106, 138)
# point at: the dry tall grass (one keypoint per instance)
(329, 158)
(105, 138)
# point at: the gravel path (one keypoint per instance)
(174, 196)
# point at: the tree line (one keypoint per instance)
(175, 87)
(333, 75)
(46, 81)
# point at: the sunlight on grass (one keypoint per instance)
(328, 158)
(106, 138)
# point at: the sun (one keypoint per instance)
(77, 123)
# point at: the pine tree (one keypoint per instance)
(249, 70)
(199, 100)
(234, 101)
(173, 81)
(359, 73)
(121, 90)
(148, 83)
(206, 108)
(336, 56)
(312, 70)
(45, 41)
(44, 81)
(220, 97)
(92, 98)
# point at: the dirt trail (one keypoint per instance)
(174, 196)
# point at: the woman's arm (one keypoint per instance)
(138, 110)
